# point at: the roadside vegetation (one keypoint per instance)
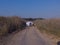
(11, 24)
(51, 26)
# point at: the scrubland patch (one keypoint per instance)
(50, 28)
(10, 24)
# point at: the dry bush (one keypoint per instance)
(11, 24)
(50, 26)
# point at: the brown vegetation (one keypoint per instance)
(10, 24)
(51, 26)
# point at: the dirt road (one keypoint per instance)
(29, 36)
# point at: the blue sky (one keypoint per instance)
(30, 8)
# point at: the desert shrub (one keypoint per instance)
(3, 30)
(16, 23)
(11, 24)
(50, 26)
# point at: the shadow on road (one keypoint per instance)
(58, 43)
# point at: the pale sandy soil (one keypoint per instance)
(29, 36)
(51, 37)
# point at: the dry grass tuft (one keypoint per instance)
(10, 24)
(51, 26)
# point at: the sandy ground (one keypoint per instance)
(29, 36)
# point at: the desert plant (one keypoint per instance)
(11, 24)
(51, 26)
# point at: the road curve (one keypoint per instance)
(29, 36)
